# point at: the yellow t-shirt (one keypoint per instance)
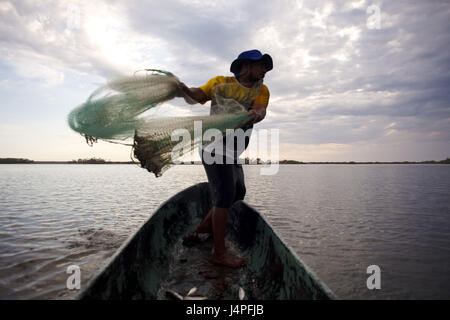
(229, 87)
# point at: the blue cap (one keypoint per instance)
(253, 55)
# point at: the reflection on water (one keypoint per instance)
(339, 219)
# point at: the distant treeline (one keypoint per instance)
(79, 161)
(446, 161)
(246, 161)
(96, 161)
(15, 160)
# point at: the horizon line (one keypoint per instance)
(11, 160)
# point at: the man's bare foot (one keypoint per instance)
(229, 260)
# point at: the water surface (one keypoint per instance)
(339, 219)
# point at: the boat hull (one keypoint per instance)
(143, 263)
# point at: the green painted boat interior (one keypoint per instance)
(153, 263)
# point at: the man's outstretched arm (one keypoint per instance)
(258, 112)
(195, 94)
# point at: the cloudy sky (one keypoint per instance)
(352, 80)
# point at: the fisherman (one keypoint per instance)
(227, 179)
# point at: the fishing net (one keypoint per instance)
(115, 113)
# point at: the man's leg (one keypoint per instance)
(221, 255)
(240, 183)
(211, 173)
(206, 225)
(222, 180)
(219, 222)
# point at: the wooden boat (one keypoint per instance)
(154, 264)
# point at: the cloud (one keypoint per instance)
(42, 33)
(37, 68)
(335, 81)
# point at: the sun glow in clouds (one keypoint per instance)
(109, 30)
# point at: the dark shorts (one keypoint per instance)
(226, 182)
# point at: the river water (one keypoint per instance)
(339, 219)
